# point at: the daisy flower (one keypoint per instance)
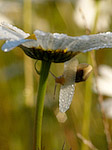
(53, 47)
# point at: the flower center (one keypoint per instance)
(56, 56)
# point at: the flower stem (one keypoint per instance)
(45, 66)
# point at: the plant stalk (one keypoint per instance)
(45, 66)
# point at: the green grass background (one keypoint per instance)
(19, 83)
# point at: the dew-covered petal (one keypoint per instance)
(65, 97)
(67, 41)
(89, 42)
(9, 32)
(58, 40)
(9, 45)
(67, 90)
(50, 41)
(42, 38)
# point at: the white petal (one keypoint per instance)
(90, 42)
(9, 32)
(65, 97)
(42, 39)
(58, 40)
(9, 45)
(49, 40)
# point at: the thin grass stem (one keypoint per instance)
(28, 64)
(88, 94)
(87, 109)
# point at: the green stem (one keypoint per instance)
(45, 66)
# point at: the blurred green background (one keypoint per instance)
(19, 81)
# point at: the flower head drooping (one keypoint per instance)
(51, 47)
(73, 73)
